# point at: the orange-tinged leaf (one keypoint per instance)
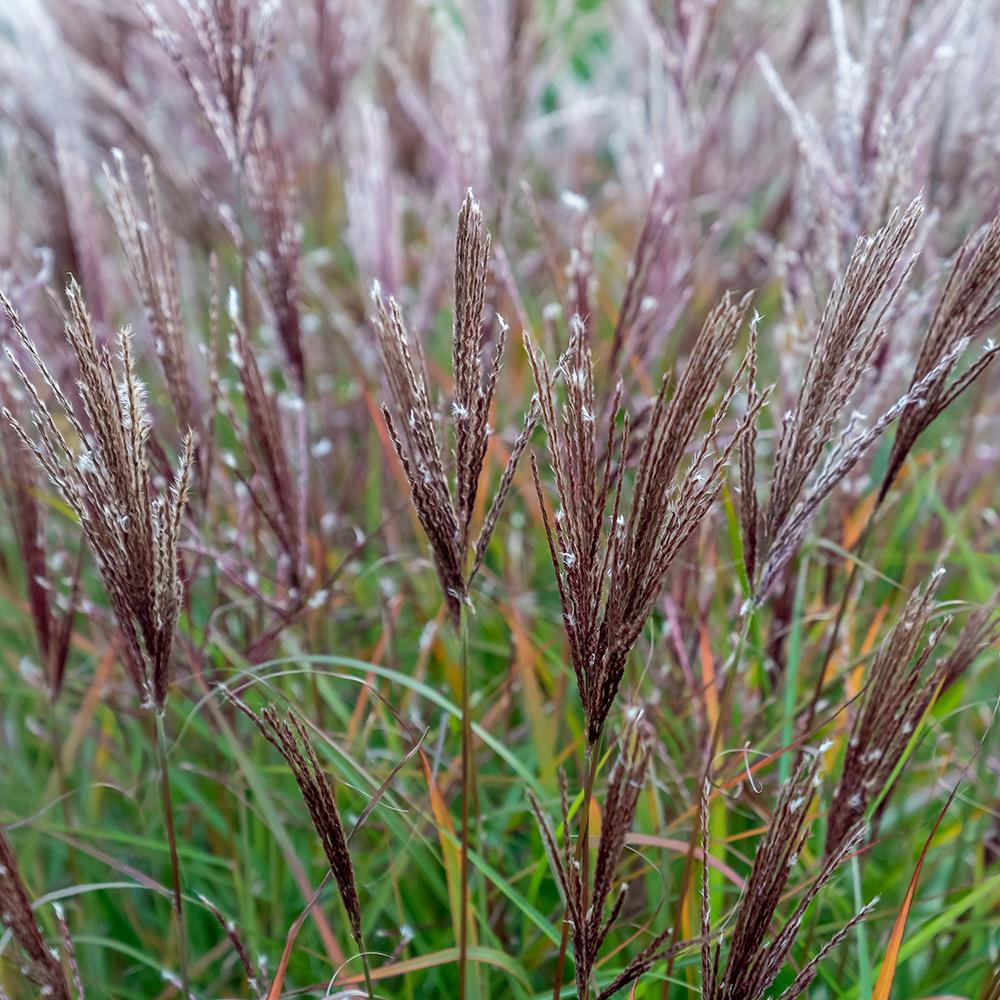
(594, 822)
(450, 852)
(857, 674)
(883, 985)
(526, 660)
(855, 521)
(708, 677)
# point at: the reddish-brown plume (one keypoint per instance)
(103, 474)
(761, 940)
(41, 965)
(967, 306)
(291, 739)
(897, 692)
(610, 576)
(445, 510)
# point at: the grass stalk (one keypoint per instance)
(467, 784)
(175, 867)
(366, 969)
(792, 670)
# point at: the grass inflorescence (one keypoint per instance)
(609, 554)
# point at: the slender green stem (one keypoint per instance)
(463, 939)
(792, 669)
(365, 968)
(864, 969)
(175, 867)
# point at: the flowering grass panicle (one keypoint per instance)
(854, 326)
(276, 468)
(633, 326)
(149, 250)
(895, 699)
(41, 963)
(291, 739)
(980, 631)
(105, 478)
(852, 329)
(966, 307)
(52, 609)
(273, 199)
(761, 940)
(221, 50)
(446, 514)
(609, 580)
(741, 576)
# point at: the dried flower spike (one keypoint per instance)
(851, 330)
(291, 740)
(41, 966)
(761, 941)
(609, 579)
(19, 484)
(446, 513)
(104, 477)
(978, 633)
(221, 53)
(896, 697)
(149, 250)
(967, 306)
(275, 481)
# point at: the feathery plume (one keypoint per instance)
(446, 514)
(52, 612)
(627, 339)
(979, 632)
(149, 251)
(756, 954)
(222, 55)
(274, 202)
(609, 580)
(274, 481)
(895, 699)
(105, 479)
(967, 306)
(41, 966)
(291, 739)
(852, 329)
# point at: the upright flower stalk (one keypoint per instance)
(609, 577)
(898, 693)
(761, 939)
(445, 507)
(104, 477)
(291, 739)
